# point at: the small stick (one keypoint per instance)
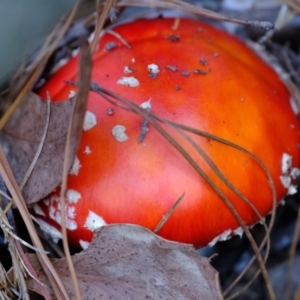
(168, 215)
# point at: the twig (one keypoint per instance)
(101, 20)
(79, 106)
(12, 186)
(37, 70)
(168, 215)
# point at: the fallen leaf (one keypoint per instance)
(23, 132)
(130, 262)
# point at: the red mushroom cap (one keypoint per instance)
(195, 75)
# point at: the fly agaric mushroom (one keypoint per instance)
(127, 172)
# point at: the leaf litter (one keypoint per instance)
(23, 133)
(130, 262)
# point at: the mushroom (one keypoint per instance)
(119, 177)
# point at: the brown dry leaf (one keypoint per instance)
(23, 133)
(24, 130)
(130, 262)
